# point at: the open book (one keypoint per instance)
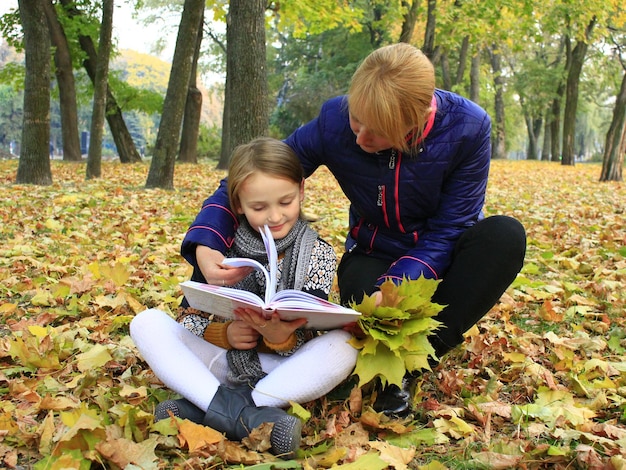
(290, 304)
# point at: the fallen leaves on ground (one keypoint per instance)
(539, 383)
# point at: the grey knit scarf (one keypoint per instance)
(297, 246)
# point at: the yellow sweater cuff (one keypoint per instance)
(287, 345)
(215, 333)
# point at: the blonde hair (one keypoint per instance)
(391, 91)
(265, 154)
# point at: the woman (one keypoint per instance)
(413, 162)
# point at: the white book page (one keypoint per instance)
(272, 257)
(290, 298)
(271, 275)
(247, 262)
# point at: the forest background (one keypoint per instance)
(540, 383)
(551, 76)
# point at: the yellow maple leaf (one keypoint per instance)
(119, 273)
(85, 431)
(42, 298)
(454, 426)
(58, 403)
(38, 331)
(7, 308)
(54, 225)
(124, 452)
(95, 357)
(46, 433)
(395, 456)
(197, 436)
(135, 305)
(8, 423)
(128, 391)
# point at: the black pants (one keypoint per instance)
(487, 258)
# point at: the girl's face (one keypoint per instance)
(269, 200)
(366, 139)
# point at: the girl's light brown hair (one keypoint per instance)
(391, 92)
(265, 154)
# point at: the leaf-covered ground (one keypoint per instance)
(539, 383)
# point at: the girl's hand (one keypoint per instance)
(210, 264)
(242, 336)
(273, 329)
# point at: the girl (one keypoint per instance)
(236, 375)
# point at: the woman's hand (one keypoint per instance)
(209, 261)
(241, 335)
(272, 329)
(353, 328)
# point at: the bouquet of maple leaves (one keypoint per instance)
(396, 331)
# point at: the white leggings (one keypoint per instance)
(195, 368)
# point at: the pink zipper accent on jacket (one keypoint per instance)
(397, 193)
(370, 249)
(355, 230)
(398, 163)
(429, 123)
(431, 119)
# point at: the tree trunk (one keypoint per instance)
(571, 96)
(94, 156)
(67, 89)
(410, 18)
(377, 34)
(161, 174)
(123, 140)
(429, 35)
(34, 165)
(247, 89)
(445, 71)
(474, 92)
(188, 151)
(498, 150)
(555, 125)
(533, 127)
(615, 144)
(581, 147)
(225, 149)
(463, 53)
(547, 138)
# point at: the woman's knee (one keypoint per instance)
(499, 236)
(514, 235)
(508, 229)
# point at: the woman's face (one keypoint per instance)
(268, 200)
(366, 139)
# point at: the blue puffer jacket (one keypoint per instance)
(410, 209)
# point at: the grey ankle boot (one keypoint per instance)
(233, 412)
(180, 408)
